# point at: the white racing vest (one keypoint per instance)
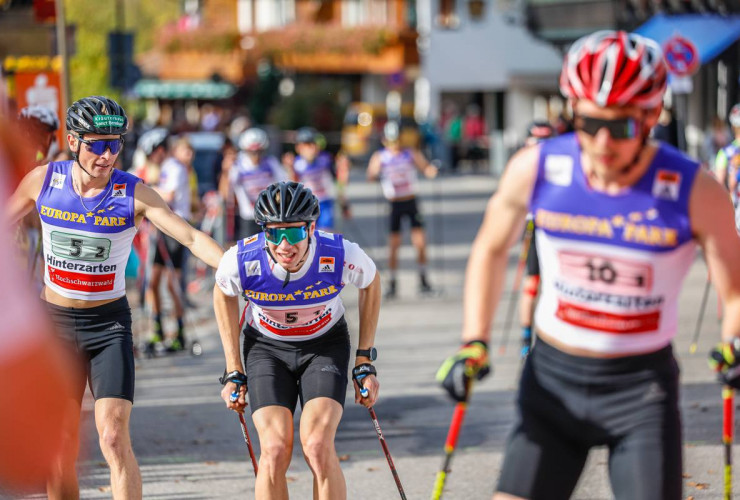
(611, 266)
(398, 175)
(86, 247)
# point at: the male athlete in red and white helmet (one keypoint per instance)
(618, 217)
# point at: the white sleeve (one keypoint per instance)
(359, 269)
(227, 274)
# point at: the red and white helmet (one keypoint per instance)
(615, 68)
(735, 115)
(254, 139)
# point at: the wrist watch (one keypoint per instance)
(371, 353)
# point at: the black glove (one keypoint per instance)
(237, 378)
(359, 372)
(457, 372)
(725, 360)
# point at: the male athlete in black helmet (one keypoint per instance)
(89, 215)
(296, 341)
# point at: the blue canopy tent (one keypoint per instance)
(710, 33)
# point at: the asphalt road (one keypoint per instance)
(190, 447)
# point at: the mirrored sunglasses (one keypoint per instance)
(622, 128)
(100, 146)
(293, 235)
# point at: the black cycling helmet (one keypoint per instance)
(97, 115)
(282, 202)
(306, 135)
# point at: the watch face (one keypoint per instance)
(373, 354)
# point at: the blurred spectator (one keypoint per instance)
(727, 165)
(451, 124)
(474, 137)
(39, 125)
(32, 439)
(667, 129)
(717, 137)
(317, 170)
(175, 188)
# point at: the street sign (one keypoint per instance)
(681, 56)
(680, 84)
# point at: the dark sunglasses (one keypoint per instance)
(621, 128)
(294, 235)
(100, 146)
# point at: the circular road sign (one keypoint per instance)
(681, 56)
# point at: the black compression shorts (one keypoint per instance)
(101, 337)
(533, 263)
(405, 208)
(278, 373)
(568, 404)
(172, 251)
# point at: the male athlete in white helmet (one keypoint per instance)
(251, 172)
(618, 217)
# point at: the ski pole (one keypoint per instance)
(513, 300)
(234, 396)
(697, 331)
(457, 420)
(245, 433)
(386, 451)
(728, 430)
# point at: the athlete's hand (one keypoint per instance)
(725, 360)
(227, 393)
(366, 384)
(234, 392)
(457, 372)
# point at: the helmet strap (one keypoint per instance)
(76, 156)
(287, 273)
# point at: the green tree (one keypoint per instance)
(89, 67)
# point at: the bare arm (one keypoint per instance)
(501, 227)
(150, 205)
(23, 199)
(227, 318)
(373, 167)
(369, 307)
(426, 168)
(226, 309)
(713, 224)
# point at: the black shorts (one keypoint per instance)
(101, 338)
(533, 263)
(405, 208)
(568, 404)
(278, 373)
(173, 251)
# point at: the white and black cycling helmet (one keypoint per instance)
(152, 139)
(97, 115)
(735, 115)
(254, 139)
(41, 115)
(286, 202)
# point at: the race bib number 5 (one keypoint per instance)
(78, 247)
